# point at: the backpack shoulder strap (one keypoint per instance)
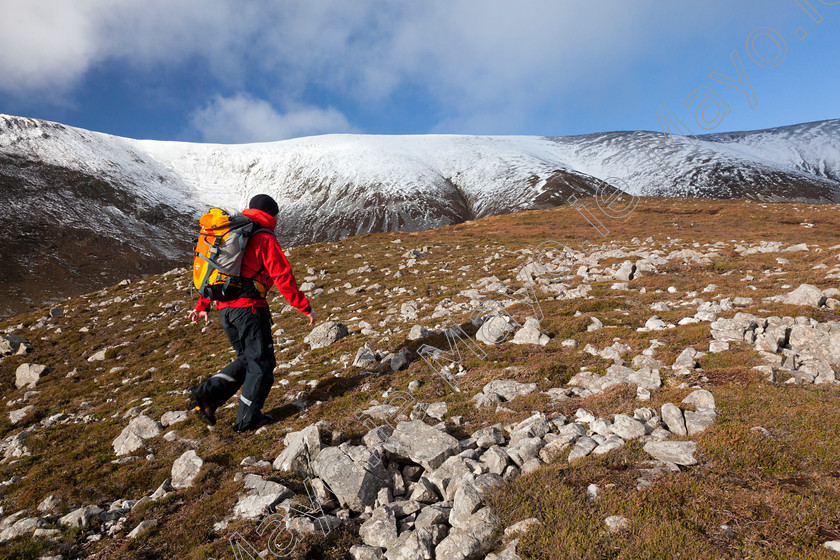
(257, 230)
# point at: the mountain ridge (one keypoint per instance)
(148, 193)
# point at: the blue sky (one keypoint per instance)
(230, 71)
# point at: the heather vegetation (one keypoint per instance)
(733, 298)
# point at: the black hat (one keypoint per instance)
(265, 203)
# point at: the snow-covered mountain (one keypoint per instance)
(332, 186)
(73, 192)
(792, 163)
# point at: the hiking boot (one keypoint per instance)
(205, 412)
(264, 420)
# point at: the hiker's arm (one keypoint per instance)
(280, 270)
(200, 311)
(195, 316)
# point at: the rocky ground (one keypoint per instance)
(668, 391)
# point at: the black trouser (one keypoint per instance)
(249, 331)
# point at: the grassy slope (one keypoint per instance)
(780, 496)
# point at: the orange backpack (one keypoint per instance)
(218, 256)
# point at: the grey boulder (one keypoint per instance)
(364, 358)
(301, 450)
(509, 389)
(627, 428)
(83, 517)
(185, 469)
(530, 333)
(263, 494)
(495, 330)
(422, 444)
(353, 473)
(700, 398)
(27, 375)
(325, 334)
(470, 541)
(13, 344)
(678, 452)
(672, 415)
(806, 294)
(131, 438)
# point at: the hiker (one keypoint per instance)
(247, 323)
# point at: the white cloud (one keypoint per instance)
(241, 119)
(471, 58)
(48, 44)
(44, 44)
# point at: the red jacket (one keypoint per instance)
(264, 261)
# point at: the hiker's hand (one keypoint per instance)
(196, 315)
(311, 317)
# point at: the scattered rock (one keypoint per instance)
(471, 541)
(301, 450)
(173, 417)
(364, 552)
(699, 420)
(185, 469)
(364, 358)
(399, 360)
(494, 330)
(162, 490)
(422, 444)
(616, 523)
(834, 546)
(487, 400)
(509, 389)
(417, 332)
(131, 438)
(626, 272)
(98, 356)
(583, 447)
(521, 527)
(13, 344)
(16, 416)
(411, 545)
(467, 500)
(262, 495)
(611, 443)
(50, 504)
(381, 529)
(22, 527)
(686, 361)
(437, 410)
(27, 375)
(83, 517)
(531, 333)
(353, 473)
(673, 417)
(509, 553)
(700, 398)
(409, 310)
(616, 374)
(678, 452)
(655, 324)
(717, 346)
(806, 294)
(142, 527)
(627, 428)
(325, 334)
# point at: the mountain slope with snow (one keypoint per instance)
(89, 189)
(333, 186)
